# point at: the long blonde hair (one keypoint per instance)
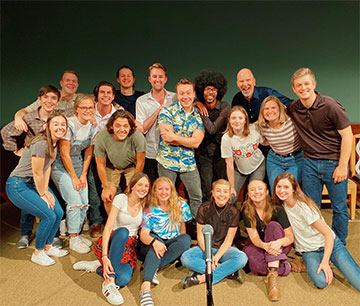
(246, 130)
(46, 135)
(174, 209)
(250, 211)
(298, 193)
(283, 117)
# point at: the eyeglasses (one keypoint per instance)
(213, 89)
(84, 108)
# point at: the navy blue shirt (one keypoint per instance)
(252, 107)
(128, 102)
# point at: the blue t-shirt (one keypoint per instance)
(158, 221)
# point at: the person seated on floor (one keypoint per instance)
(69, 171)
(116, 249)
(313, 237)
(240, 148)
(279, 131)
(270, 236)
(163, 236)
(120, 136)
(224, 218)
(27, 188)
(49, 97)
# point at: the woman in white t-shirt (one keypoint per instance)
(69, 171)
(116, 249)
(313, 237)
(240, 144)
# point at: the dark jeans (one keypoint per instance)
(175, 247)
(94, 189)
(150, 168)
(123, 272)
(211, 168)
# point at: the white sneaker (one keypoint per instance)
(155, 279)
(77, 245)
(112, 294)
(85, 241)
(88, 266)
(42, 259)
(56, 252)
(63, 228)
(86, 225)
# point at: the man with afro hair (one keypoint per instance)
(210, 87)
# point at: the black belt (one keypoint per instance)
(290, 154)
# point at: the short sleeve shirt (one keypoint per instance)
(245, 150)
(38, 148)
(220, 220)
(120, 153)
(158, 221)
(279, 216)
(178, 158)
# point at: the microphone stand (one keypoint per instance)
(209, 277)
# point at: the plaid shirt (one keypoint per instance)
(11, 135)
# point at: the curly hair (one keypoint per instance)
(210, 78)
(173, 203)
(123, 115)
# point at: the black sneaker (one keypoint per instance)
(238, 276)
(190, 280)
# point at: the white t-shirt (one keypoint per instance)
(82, 131)
(244, 150)
(307, 238)
(124, 219)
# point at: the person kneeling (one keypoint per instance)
(224, 218)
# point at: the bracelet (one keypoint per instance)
(41, 195)
(105, 255)
(152, 242)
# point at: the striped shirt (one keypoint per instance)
(284, 140)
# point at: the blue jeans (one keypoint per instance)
(175, 247)
(23, 194)
(316, 173)
(276, 164)
(123, 272)
(340, 257)
(191, 182)
(77, 201)
(230, 262)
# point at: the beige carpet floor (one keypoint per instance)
(25, 283)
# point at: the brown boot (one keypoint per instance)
(95, 232)
(274, 291)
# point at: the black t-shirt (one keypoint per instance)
(279, 216)
(219, 219)
(128, 102)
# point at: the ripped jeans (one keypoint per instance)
(77, 202)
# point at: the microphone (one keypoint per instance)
(207, 231)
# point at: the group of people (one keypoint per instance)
(88, 143)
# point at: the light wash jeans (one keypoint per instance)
(316, 173)
(23, 194)
(77, 201)
(276, 164)
(191, 182)
(230, 262)
(340, 257)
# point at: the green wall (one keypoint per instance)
(41, 39)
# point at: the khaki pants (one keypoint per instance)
(114, 175)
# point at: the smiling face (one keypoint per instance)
(126, 78)
(186, 95)
(221, 194)
(257, 192)
(157, 79)
(141, 188)
(57, 127)
(237, 121)
(105, 95)
(246, 82)
(271, 111)
(85, 110)
(49, 101)
(69, 83)
(121, 128)
(284, 190)
(163, 191)
(304, 88)
(210, 94)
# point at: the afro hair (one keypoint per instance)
(210, 78)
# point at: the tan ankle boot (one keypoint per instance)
(274, 291)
